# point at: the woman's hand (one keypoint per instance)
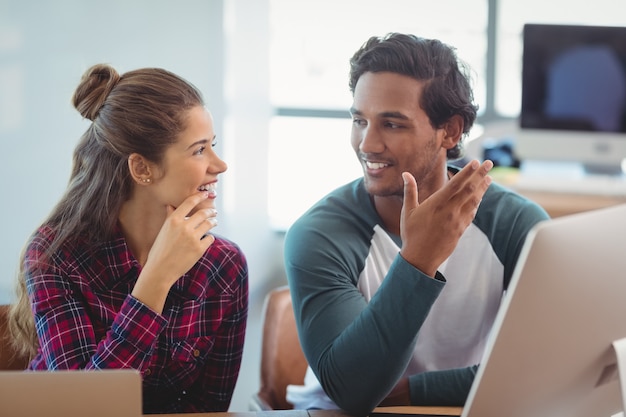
(182, 240)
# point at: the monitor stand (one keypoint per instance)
(568, 177)
(572, 170)
(603, 169)
(620, 352)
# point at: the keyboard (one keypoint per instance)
(567, 179)
(587, 185)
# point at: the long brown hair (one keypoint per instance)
(142, 111)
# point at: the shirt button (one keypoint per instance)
(148, 372)
(196, 353)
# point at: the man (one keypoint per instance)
(396, 277)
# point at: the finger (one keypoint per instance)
(473, 176)
(475, 186)
(466, 172)
(481, 176)
(200, 217)
(209, 238)
(203, 221)
(191, 202)
(410, 200)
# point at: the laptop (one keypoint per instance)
(550, 352)
(75, 393)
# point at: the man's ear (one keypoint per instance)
(140, 169)
(453, 131)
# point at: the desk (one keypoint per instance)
(562, 204)
(438, 411)
(557, 203)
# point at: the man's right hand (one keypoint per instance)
(431, 230)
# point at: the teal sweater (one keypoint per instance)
(366, 317)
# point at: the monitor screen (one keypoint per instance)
(574, 95)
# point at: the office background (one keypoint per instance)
(274, 74)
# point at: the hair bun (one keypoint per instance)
(93, 89)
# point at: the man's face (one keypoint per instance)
(391, 133)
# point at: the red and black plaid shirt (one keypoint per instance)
(189, 356)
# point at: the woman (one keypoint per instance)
(124, 273)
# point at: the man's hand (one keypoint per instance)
(431, 230)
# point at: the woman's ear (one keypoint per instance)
(139, 169)
(453, 129)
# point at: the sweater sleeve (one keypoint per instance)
(448, 387)
(65, 329)
(357, 350)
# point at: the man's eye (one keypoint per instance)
(358, 122)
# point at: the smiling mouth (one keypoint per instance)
(206, 187)
(375, 165)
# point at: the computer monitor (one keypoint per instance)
(551, 353)
(573, 96)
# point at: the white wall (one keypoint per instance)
(46, 45)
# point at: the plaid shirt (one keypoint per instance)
(189, 356)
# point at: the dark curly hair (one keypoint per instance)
(447, 91)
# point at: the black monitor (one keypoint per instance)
(574, 96)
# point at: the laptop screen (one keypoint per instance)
(77, 393)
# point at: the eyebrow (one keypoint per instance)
(387, 114)
(201, 142)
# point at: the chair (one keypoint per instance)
(282, 360)
(9, 359)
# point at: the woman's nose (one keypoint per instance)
(217, 165)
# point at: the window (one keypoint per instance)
(310, 47)
(309, 145)
(312, 42)
(308, 158)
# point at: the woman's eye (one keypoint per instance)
(214, 143)
(200, 150)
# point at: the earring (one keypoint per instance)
(146, 180)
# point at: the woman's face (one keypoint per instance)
(190, 165)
